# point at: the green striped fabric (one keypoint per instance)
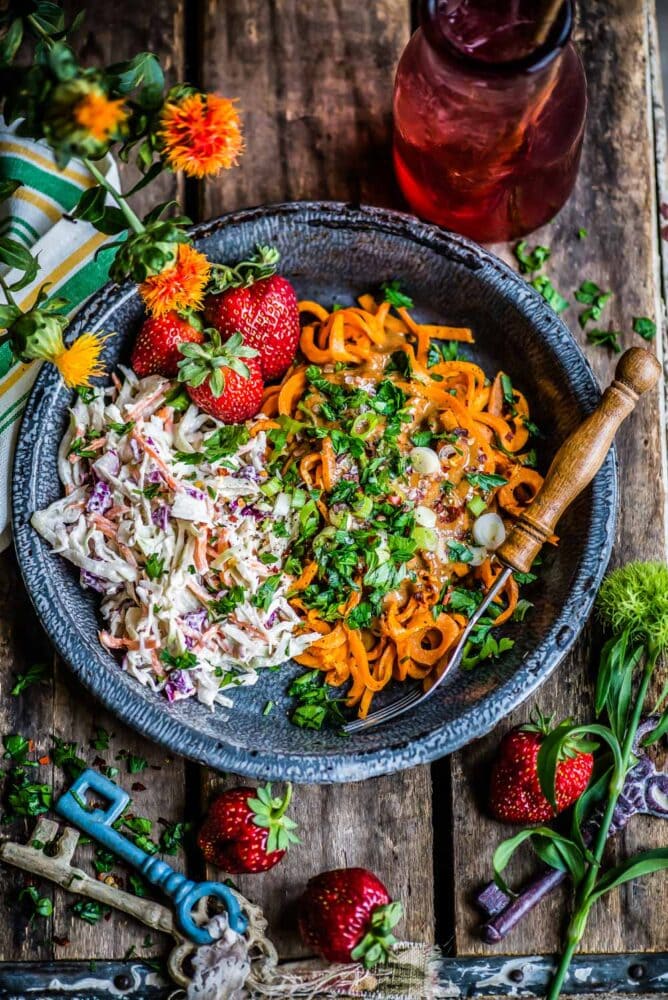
(71, 255)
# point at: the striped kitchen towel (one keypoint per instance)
(67, 256)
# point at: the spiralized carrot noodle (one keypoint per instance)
(387, 569)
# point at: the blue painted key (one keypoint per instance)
(97, 823)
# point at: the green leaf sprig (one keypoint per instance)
(633, 603)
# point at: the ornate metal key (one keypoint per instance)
(645, 791)
(57, 867)
(98, 823)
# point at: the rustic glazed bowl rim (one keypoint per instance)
(154, 721)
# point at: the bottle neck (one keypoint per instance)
(498, 37)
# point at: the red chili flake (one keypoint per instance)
(138, 787)
(62, 942)
(451, 514)
(44, 760)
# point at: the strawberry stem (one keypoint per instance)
(287, 798)
(244, 274)
(269, 812)
(376, 945)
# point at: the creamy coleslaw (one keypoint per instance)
(169, 515)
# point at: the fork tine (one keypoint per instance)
(402, 705)
(384, 714)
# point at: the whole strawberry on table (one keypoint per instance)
(516, 793)
(347, 915)
(248, 830)
(248, 334)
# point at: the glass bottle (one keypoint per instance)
(489, 112)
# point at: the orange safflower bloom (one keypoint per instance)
(201, 134)
(100, 116)
(80, 362)
(178, 286)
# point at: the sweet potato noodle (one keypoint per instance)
(399, 450)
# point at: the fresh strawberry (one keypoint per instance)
(259, 304)
(516, 795)
(156, 350)
(347, 916)
(223, 379)
(247, 830)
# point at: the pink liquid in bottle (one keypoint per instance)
(489, 114)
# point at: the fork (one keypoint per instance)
(574, 466)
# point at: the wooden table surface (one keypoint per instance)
(314, 82)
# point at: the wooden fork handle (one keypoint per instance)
(579, 458)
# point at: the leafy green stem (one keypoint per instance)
(39, 30)
(133, 220)
(7, 293)
(587, 889)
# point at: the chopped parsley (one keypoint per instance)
(605, 338)
(644, 327)
(155, 567)
(460, 552)
(135, 763)
(85, 393)
(592, 296)
(225, 441)
(265, 592)
(531, 260)
(17, 748)
(178, 399)
(316, 702)
(64, 754)
(223, 606)
(24, 797)
(101, 739)
(443, 350)
(80, 447)
(393, 294)
(490, 648)
(582, 233)
(38, 673)
(485, 481)
(121, 428)
(89, 910)
(150, 491)
(401, 363)
(178, 661)
(544, 287)
(171, 838)
(41, 906)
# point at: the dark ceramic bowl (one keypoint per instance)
(332, 253)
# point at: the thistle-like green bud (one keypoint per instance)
(634, 598)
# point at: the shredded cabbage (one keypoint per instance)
(177, 536)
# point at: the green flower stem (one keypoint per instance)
(11, 301)
(133, 219)
(578, 923)
(39, 30)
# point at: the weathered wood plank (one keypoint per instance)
(615, 201)
(314, 85)
(315, 93)
(116, 32)
(31, 714)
